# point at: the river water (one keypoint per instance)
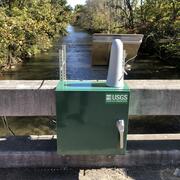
(46, 65)
(79, 45)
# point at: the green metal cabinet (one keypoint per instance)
(87, 116)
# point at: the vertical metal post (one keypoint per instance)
(65, 60)
(62, 63)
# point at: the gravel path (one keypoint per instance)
(104, 174)
(149, 173)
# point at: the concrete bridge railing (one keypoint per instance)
(37, 98)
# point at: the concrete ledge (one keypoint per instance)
(130, 137)
(37, 98)
(52, 160)
(27, 98)
(153, 137)
(22, 152)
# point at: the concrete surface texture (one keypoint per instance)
(37, 98)
(141, 173)
(31, 152)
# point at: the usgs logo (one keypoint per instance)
(116, 98)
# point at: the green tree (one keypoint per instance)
(28, 27)
(158, 20)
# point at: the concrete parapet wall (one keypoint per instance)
(37, 98)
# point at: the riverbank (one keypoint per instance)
(157, 20)
(28, 28)
(45, 66)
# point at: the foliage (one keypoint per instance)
(160, 23)
(158, 20)
(27, 27)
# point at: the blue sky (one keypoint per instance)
(73, 3)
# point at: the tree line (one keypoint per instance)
(28, 27)
(158, 20)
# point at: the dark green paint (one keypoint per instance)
(86, 124)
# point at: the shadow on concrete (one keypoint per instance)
(39, 174)
(25, 143)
